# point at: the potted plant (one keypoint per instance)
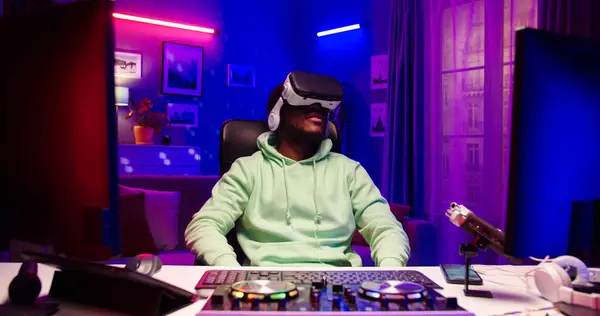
(147, 121)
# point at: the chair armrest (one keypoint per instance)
(401, 212)
(423, 242)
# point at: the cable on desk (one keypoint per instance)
(524, 286)
(486, 271)
(546, 259)
(522, 276)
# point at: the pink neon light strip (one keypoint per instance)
(163, 23)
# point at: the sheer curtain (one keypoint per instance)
(470, 51)
(574, 17)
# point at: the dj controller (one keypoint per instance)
(369, 295)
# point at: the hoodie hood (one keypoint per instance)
(266, 143)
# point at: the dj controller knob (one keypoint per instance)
(315, 297)
(235, 303)
(255, 304)
(405, 303)
(430, 302)
(350, 295)
(385, 304)
(351, 299)
(315, 291)
(348, 290)
(336, 303)
(282, 305)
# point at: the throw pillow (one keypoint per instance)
(162, 213)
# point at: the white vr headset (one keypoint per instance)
(306, 89)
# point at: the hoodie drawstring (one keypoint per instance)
(317, 218)
(288, 215)
(317, 213)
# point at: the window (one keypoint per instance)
(473, 117)
(463, 60)
(445, 166)
(473, 194)
(473, 155)
(446, 98)
(473, 103)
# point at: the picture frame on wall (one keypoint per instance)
(378, 119)
(182, 115)
(379, 72)
(241, 76)
(128, 64)
(182, 69)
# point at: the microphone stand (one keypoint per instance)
(472, 250)
(484, 236)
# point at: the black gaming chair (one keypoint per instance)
(238, 139)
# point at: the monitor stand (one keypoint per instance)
(471, 250)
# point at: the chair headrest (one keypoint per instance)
(238, 139)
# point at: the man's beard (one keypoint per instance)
(300, 136)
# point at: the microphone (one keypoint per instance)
(485, 235)
(26, 286)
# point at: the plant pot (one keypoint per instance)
(143, 135)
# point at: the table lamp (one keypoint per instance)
(121, 96)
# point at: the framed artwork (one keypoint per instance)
(128, 64)
(379, 72)
(378, 119)
(182, 68)
(182, 115)
(241, 76)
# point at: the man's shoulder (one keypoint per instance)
(342, 159)
(248, 160)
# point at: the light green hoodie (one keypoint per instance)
(296, 213)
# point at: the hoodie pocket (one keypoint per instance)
(297, 253)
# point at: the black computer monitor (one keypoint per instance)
(555, 141)
(59, 151)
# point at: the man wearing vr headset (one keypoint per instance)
(294, 201)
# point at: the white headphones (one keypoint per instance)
(274, 116)
(555, 285)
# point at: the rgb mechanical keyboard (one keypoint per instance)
(214, 278)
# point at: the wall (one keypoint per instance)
(248, 36)
(348, 57)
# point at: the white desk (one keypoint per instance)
(510, 293)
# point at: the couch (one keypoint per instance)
(195, 190)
